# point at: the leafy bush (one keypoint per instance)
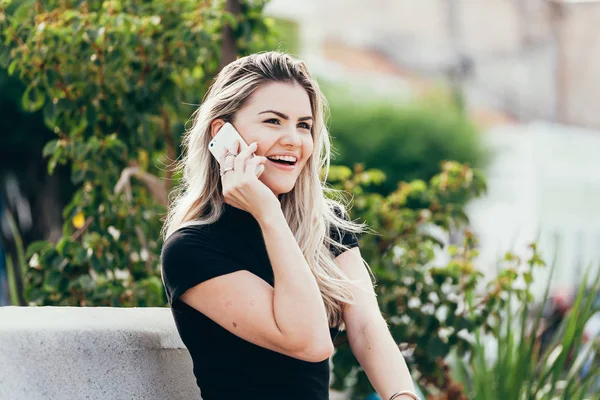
(406, 141)
(431, 304)
(112, 79)
(438, 306)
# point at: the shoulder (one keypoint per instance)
(191, 255)
(186, 236)
(190, 241)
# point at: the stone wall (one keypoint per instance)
(95, 353)
(92, 353)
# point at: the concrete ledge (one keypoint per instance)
(92, 353)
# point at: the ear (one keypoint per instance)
(216, 126)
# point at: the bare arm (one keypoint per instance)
(289, 318)
(369, 336)
(298, 307)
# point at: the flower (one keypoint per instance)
(78, 220)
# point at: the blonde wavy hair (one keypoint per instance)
(309, 213)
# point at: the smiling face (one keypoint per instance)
(278, 116)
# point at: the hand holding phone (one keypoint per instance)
(226, 138)
(241, 188)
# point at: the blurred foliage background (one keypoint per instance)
(95, 97)
(111, 80)
(406, 139)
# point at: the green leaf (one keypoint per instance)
(86, 282)
(22, 11)
(52, 280)
(33, 98)
(50, 115)
(97, 264)
(80, 256)
(4, 57)
(78, 175)
(435, 347)
(36, 247)
(231, 20)
(12, 67)
(50, 148)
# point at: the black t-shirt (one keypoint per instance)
(226, 366)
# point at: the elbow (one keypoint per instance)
(316, 352)
(323, 353)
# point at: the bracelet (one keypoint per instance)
(405, 392)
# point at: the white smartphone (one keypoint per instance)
(226, 138)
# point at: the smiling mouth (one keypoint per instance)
(287, 165)
(282, 162)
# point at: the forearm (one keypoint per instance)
(297, 304)
(381, 359)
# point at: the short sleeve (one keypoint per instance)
(189, 257)
(346, 238)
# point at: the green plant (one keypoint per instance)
(520, 370)
(406, 140)
(16, 269)
(431, 303)
(113, 80)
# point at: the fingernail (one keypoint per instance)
(255, 144)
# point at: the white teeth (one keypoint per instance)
(283, 158)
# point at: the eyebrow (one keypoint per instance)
(282, 115)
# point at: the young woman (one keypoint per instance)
(262, 272)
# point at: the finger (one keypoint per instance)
(222, 157)
(234, 147)
(260, 169)
(255, 166)
(231, 151)
(242, 158)
(226, 162)
(229, 161)
(228, 149)
(233, 203)
(252, 166)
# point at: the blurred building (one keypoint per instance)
(534, 59)
(543, 185)
(517, 62)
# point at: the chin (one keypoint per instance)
(280, 188)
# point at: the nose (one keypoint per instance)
(291, 137)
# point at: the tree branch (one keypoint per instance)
(158, 190)
(229, 46)
(157, 187)
(170, 143)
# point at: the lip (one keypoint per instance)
(290, 154)
(284, 167)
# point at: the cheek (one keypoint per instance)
(307, 147)
(253, 137)
(249, 132)
(257, 133)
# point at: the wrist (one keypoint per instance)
(270, 217)
(404, 395)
